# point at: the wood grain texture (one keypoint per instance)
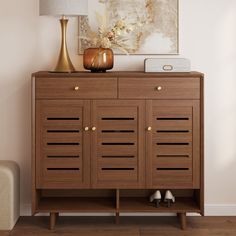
(117, 163)
(34, 196)
(196, 145)
(171, 88)
(183, 220)
(202, 131)
(103, 193)
(62, 145)
(64, 88)
(118, 74)
(117, 200)
(174, 160)
(129, 226)
(75, 204)
(53, 219)
(138, 204)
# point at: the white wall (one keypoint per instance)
(207, 36)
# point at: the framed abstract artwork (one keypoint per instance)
(138, 27)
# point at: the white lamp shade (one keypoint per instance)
(63, 7)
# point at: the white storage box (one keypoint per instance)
(167, 65)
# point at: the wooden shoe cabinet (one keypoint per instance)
(105, 142)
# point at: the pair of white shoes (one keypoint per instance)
(156, 197)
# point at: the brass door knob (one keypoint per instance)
(149, 128)
(76, 88)
(94, 128)
(86, 129)
(158, 88)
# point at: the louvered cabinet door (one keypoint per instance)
(118, 144)
(62, 144)
(173, 145)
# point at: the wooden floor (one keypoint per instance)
(129, 226)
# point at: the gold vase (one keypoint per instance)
(64, 63)
(98, 59)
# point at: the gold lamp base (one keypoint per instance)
(64, 64)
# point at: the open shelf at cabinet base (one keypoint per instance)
(108, 205)
(76, 204)
(140, 204)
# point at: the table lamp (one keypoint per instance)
(64, 8)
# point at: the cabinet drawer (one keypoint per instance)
(83, 88)
(159, 88)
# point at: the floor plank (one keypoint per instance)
(129, 226)
(4, 233)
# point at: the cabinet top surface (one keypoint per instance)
(46, 74)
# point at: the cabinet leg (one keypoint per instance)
(183, 220)
(117, 218)
(53, 218)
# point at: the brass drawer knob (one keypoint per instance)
(94, 128)
(149, 128)
(86, 129)
(158, 88)
(76, 88)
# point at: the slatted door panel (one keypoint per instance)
(62, 147)
(173, 155)
(118, 144)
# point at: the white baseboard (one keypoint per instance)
(220, 209)
(210, 210)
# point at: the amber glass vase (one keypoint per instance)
(98, 59)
